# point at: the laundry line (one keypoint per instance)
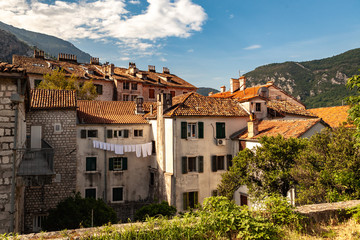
(144, 149)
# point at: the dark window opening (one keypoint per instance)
(126, 85)
(220, 130)
(258, 107)
(117, 194)
(151, 93)
(90, 193)
(91, 164)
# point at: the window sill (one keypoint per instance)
(92, 172)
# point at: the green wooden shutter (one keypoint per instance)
(183, 130)
(185, 200)
(111, 164)
(200, 164)
(229, 161)
(83, 133)
(109, 133)
(124, 163)
(184, 164)
(126, 133)
(196, 199)
(213, 163)
(200, 130)
(220, 130)
(115, 133)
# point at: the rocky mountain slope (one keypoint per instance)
(317, 83)
(50, 44)
(11, 45)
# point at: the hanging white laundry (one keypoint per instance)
(108, 146)
(144, 150)
(101, 145)
(149, 148)
(138, 150)
(127, 148)
(119, 149)
(94, 143)
(112, 147)
(133, 148)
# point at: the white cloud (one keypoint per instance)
(252, 47)
(124, 58)
(102, 19)
(231, 16)
(162, 59)
(190, 50)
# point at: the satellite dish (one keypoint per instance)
(263, 92)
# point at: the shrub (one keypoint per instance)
(155, 209)
(74, 212)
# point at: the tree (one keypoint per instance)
(265, 170)
(58, 80)
(354, 101)
(328, 170)
(76, 211)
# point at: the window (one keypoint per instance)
(91, 164)
(57, 128)
(243, 199)
(124, 133)
(151, 93)
(192, 130)
(220, 130)
(118, 163)
(153, 151)
(37, 82)
(152, 179)
(172, 93)
(133, 86)
(184, 92)
(125, 97)
(258, 107)
(99, 89)
(217, 163)
(138, 132)
(126, 85)
(190, 200)
(88, 133)
(192, 164)
(133, 97)
(117, 194)
(90, 193)
(38, 222)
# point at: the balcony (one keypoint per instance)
(37, 162)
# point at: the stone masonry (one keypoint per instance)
(39, 199)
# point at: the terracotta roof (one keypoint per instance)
(52, 99)
(247, 93)
(110, 112)
(286, 107)
(98, 72)
(334, 116)
(10, 68)
(194, 104)
(286, 128)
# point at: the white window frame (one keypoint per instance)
(123, 194)
(192, 129)
(37, 222)
(117, 161)
(139, 130)
(58, 128)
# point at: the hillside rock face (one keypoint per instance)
(317, 83)
(11, 45)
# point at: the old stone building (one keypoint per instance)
(12, 137)
(48, 168)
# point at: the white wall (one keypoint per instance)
(169, 145)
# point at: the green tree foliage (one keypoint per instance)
(155, 209)
(328, 170)
(76, 211)
(354, 101)
(58, 80)
(266, 170)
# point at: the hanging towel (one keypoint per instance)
(126, 148)
(133, 148)
(112, 147)
(138, 150)
(144, 150)
(94, 144)
(119, 149)
(149, 148)
(101, 145)
(108, 146)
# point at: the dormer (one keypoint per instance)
(166, 70)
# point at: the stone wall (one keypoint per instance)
(7, 133)
(39, 199)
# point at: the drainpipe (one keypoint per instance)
(12, 197)
(105, 168)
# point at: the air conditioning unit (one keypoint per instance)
(220, 142)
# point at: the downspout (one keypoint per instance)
(12, 197)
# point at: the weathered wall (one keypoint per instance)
(39, 199)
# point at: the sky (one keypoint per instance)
(205, 42)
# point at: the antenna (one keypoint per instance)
(239, 74)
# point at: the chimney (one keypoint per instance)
(242, 83)
(210, 93)
(132, 68)
(252, 126)
(109, 70)
(38, 54)
(151, 68)
(139, 105)
(94, 61)
(166, 70)
(67, 57)
(151, 109)
(234, 84)
(222, 89)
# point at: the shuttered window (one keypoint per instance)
(229, 162)
(190, 200)
(117, 164)
(192, 130)
(91, 164)
(192, 164)
(217, 163)
(90, 193)
(220, 130)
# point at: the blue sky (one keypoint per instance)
(206, 42)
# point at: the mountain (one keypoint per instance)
(317, 83)
(11, 45)
(50, 44)
(205, 91)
